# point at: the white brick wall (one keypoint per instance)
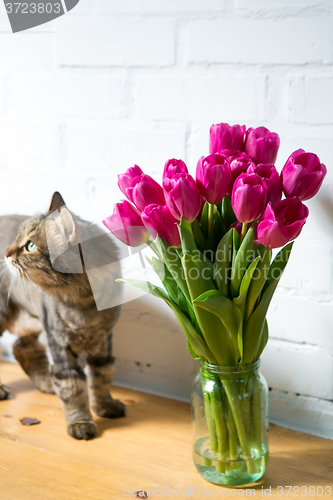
(140, 81)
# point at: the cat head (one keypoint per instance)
(45, 249)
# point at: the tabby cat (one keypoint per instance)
(55, 295)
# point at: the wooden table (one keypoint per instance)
(150, 448)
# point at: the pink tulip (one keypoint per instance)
(145, 191)
(282, 223)
(224, 136)
(125, 180)
(173, 167)
(182, 196)
(239, 164)
(213, 177)
(261, 145)
(126, 224)
(302, 175)
(159, 221)
(249, 197)
(268, 172)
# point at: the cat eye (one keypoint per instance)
(30, 246)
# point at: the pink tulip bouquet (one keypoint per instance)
(213, 237)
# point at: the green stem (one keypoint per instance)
(233, 398)
(244, 229)
(256, 413)
(220, 424)
(210, 217)
(210, 422)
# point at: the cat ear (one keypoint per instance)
(68, 224)
(56, 202)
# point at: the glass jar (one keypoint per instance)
(230, 423)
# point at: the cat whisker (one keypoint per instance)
(11, 286)
(22, 282)
(34, 284)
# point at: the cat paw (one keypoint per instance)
(45, 385)
(112, 409)
(4, 392)
(82, 430)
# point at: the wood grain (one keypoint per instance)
(150, 447)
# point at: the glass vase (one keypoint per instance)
(230, 423)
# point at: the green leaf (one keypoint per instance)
(229, 314)
(188, 242)
(241, 262)
(191, 350)
(263, 340)
(223, 262)
(240, 301)
(197, 342)
(154, 247)
(204, 220)
(198, 236)
(165, 276)
(216, 232)
(147, 287)
(227, 212)
(258, 280)
(174, 265)
(278, 265)
(254, 326)
(213, 331)
(253, 332)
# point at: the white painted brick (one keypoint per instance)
(29, 191)
(319, 99)
(295, 105)
(27, 142)
(296, 368)
(160, 98)
(106, 148)
(83, 8)
(309, 269)
(287, 5)
(27, 50)
(252, 41)
(310, 415)
(225, 99)
(121, 42)
(148, 6)
(79, 94)
(301, 320)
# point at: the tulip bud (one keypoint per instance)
(125, 180)
(126, 224)
(224, 136)
(145, 191)
(213, 177)
(302, 175)
(268, 172)
(249, 197)
(282, 223)
(261, 145)
(239, 164)
(173, 167)
(159, 221)
(182, 196)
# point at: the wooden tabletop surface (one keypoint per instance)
(149, 449)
